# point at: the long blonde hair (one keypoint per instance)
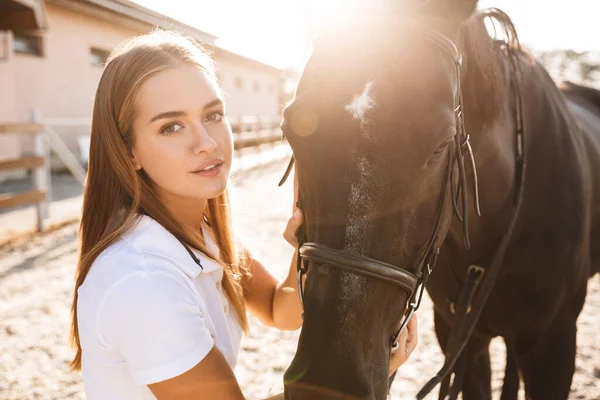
(116, 195)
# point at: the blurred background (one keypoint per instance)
(52, 53)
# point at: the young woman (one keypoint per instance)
(162, 288)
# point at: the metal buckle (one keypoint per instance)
(411, 312)
(477, 269)
(413, 305)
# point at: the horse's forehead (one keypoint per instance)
(361, 103)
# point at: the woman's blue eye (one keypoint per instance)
(171, 128)
(216, 116)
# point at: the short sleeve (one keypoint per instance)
(153, 320)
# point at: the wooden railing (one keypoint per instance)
(255, 131)
(37, 163)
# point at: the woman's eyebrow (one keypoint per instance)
(215, 102)
(173, 114)
(168, 114)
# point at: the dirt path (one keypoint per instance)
(36, 281)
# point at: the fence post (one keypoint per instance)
(41, 175)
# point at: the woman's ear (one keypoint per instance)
(135, 160)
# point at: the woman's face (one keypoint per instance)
(182, 139)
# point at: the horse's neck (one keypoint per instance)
(548, 140)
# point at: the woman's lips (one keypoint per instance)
(213, 170)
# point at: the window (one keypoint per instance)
(98, 57)
(256, 86)
(24, 43)
(239, 83)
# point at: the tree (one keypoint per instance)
(583, 67)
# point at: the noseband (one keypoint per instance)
(412, 283)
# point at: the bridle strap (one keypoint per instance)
(431, 254)
(346, 261)
(288, 170)
(362, 265)
(434, 241)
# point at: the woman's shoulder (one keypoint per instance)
(147, 248)
(139, 296)
(142, 268)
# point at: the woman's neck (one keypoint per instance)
(188, 212)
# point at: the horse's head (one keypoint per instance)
(375, 128)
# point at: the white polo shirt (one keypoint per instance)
(147, 312)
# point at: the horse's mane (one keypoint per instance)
(484, 57)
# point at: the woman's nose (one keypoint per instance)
(202, 141)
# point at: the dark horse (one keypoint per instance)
(388, 187)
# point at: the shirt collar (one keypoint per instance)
(149, 237)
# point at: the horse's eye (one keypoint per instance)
(443, 147)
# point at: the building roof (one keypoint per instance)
(140, 18)
(131, 15)
(22, 15)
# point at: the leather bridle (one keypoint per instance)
(413, 284)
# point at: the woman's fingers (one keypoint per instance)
(407, 342)
(294, 223)
(295, 190)
(412, 335)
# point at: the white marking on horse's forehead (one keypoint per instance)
(361, 103)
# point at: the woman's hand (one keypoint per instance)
(294, 223)
(407, 341)
(291, 230)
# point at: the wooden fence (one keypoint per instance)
(255, 131)
(248, 132)
(37, 163)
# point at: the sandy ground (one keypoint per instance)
(36, 281)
